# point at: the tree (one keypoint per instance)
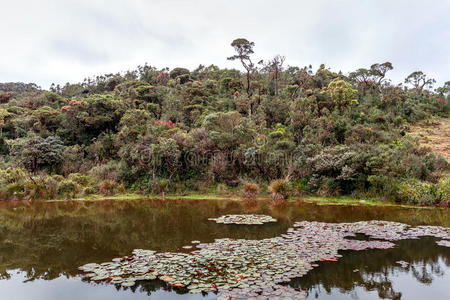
(275, 67)
(378, 71)
(3, 114)
(228, 129)
(244, 49)
(180, 73)
(302, 79)
(444, 90)
(165, 156)
(362, 77)
(38, 153)
(342, 93)
(373, 77)
(419, 80)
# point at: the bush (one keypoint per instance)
(279, 189)
(162, 186)
(38, 153)
(329, 187)
(383, 185)
(443, 191)
(424, 193)
(109, 187)
(12, 175)
(250, 190)
(221, 188)
(109, 171)
(80, 178)
(89, 191)
(68, 188)
(299, 187)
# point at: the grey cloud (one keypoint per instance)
(59, 41)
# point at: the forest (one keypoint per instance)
(271, 129)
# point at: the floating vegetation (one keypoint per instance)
(444, 243)
(242, 269)
(243, 219)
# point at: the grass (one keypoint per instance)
(339, 200)
(347, 200)
(435, 134)
(195, 196)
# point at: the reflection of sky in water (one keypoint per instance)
(63, 288)
(402, 281)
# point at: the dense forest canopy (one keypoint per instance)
(151, 130)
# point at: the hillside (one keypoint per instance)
(299, 130)
(434, 134)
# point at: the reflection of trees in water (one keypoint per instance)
(380, 282)
(373, 269)
(148, 287)
(47, 240)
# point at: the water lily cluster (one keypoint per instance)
(242, 269)
(243, 219)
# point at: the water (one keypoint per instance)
(42, 244)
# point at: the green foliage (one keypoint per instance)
(424, 193)
(342, 93)
(149, 130)
(39, 154)
(68, 188)
(279, 189)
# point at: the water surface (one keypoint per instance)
(42, 245)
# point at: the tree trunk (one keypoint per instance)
(248, 95)
(276, 83)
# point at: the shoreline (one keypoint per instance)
(310, 199)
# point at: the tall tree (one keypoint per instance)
(419, 80)
(244, 49)
(372, 78)
(275, 67)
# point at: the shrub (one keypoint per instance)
(34, 190)
(80, 178)
(12, 175)
(88, 191)
(51, 187)
(38, 153)
(299, 187)
(279, 189)
(423, 193)
(329, 187)
(383, 185)
(162, 186)
(109, 187)
(57, 177)
(221, 188)
(68, 188)
(109, 171)
(250, 190)
(443, 191)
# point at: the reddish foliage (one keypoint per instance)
(168, 124)
(441, 101)
(163, 78)
(5, 97)
(75, 103)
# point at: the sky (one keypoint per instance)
(63, 41)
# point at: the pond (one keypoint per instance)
(42, 244)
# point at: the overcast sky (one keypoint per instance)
(58, 41)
